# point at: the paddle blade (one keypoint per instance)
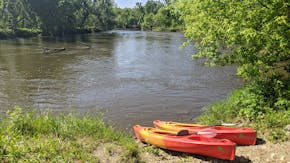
(207, 132)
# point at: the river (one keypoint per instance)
(132, 77)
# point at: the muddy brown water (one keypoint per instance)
(132, 77)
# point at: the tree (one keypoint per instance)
(83, 11)
(16, 14)
(48, 14)
(152, 6)
(252, 34)
(163, 18)
(129, 18)
(148, 23)
(153, 15)
(105, 7)
(166, 19)
(66, 21)
(60, 17)
(140, 12)
(3, 13)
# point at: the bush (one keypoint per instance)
(256, 105)
(5, 33)
(25, 32)
(20, 32)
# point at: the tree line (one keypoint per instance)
(61, 17)
(56, 17)
(153, 15)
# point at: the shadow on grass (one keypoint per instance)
(260, 141)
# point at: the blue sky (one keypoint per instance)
(128, 3)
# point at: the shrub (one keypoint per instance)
(26, 32)
(254, 104)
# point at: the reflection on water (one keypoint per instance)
(132, 77)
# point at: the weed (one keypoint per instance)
(154, 150)
(62, 138)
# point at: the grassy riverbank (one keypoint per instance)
(249, 106)
(27, 136)
(43, 137)
(21, 32)
(26, 33)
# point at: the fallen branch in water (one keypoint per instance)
(89, 46)
(47, 50)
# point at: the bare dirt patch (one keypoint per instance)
(108, 153)
(267, 152)
(262, 153)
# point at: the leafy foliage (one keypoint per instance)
(56, 17)
(128, 18)
(253, 34)
(153, 15)
(16, 14)
(69, 15)
(251, 108)
(62, 17)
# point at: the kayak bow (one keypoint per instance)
(195, 144)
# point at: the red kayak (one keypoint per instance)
(241, 136)
(195, 144)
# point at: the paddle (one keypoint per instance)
(207, 132)
(231, 124)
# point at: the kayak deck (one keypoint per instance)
(195, 144)
(241, 136)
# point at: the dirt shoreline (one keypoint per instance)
(265, 152)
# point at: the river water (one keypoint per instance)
(132, 77)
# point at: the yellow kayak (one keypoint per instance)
(195, 144)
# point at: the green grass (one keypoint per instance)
(28, 136)
(254, 110)
(43, 137)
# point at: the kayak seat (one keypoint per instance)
(182, 133)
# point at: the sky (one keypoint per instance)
(128, 3)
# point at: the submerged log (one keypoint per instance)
(47, 50)
(87, 45)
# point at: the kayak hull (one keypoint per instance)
(194, 144)
(241, 136)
